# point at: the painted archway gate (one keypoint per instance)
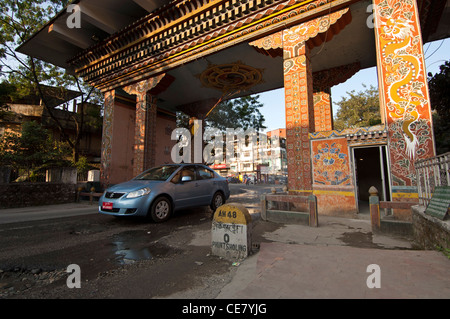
(319, 159)
(186, 55)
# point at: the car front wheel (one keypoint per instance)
(161, 209)
(217, 201)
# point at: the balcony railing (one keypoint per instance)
(432, 172)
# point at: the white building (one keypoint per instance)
(263, 156)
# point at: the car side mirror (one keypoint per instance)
(186, 179)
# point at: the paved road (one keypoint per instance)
(118, 257)
(248, 194)
(14, 215)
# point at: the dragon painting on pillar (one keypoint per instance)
(403, 87)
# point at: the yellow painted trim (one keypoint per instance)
(341, 193)
(405, 195)
(203, 43)
(324, 192)
(232, 213)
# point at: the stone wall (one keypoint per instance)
(430, 232)
(35, 194)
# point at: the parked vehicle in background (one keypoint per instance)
(233, 179)
(160, 191)
(251, 180)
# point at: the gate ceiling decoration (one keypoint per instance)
(231, 77)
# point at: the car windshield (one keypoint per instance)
(160, 173)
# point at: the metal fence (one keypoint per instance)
(49, 174)
(26, 175)
(432, 172)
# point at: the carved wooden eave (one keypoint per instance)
(431, 13)
(324, 80)
(326, 26)
(185, 31)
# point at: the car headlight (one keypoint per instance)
(139, 193)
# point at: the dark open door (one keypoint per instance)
(370, 169)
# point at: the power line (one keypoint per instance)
(429, 45)
(428, 66)
(442, 42)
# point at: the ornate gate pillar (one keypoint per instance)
(404, 96)
(145, 133)
(299, 111)
(323, 114)
(107, 136)
(298, 86)
(145, 126)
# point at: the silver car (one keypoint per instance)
(160, 191)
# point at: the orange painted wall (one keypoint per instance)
(327, 199)
(332, 177)
(122, 143)
(120, 155)
(165, 124)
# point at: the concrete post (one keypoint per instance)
(263, 208)
(231, 232)
(313, 216)
(374, 204)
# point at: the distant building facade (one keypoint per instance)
(266, 160)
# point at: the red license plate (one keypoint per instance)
(107, 206)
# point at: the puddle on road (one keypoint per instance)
(126, 255)
(129, 247)
(359, 239)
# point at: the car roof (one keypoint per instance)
(186, 164)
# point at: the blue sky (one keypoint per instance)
(436, 53)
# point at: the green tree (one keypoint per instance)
(6, 89)
(33, 145)
(237, 113)
(32, 149)
(19, 20)
(9, 142)
(439, 87)
(360, 109)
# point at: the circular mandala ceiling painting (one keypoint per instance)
(231, 77)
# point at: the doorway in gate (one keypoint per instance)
(370, 169)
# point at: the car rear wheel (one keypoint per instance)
(161, 209)
(217, 201)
